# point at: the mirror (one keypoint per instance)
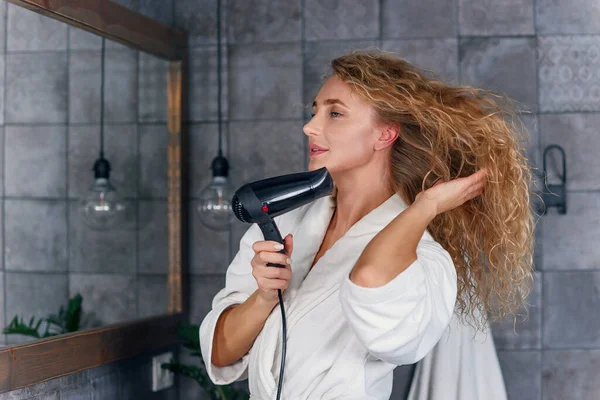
(51, 77)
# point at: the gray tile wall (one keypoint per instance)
(545, 54)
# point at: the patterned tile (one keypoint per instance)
(152, 295)
(493, 17)
(209, 249)
(348, 19)
(120, 90)
(568, 73)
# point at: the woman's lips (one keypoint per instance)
(316, 153)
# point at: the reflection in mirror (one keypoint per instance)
(51, 122)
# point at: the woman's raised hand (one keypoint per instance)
(445, 196)
(269, 279)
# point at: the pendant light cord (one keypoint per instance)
(102, 99)
(219, 73)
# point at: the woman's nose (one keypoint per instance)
(310, 128)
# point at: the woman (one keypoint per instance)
(375, 273)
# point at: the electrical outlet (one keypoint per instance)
(161, 378)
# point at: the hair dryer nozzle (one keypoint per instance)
(262, 200)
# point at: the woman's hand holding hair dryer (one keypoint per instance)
(270, 278)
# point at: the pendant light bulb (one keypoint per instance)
(101, 207)
(215, 199)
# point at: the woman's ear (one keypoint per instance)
(387, 135)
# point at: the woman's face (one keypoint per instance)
(342, 132)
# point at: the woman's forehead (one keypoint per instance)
(335, 88)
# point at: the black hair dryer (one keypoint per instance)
(260, 201)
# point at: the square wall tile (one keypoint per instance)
(570, 241)
(36, 235)
(489, 18)
(202, 291)
(480, 59)
(437, 55)
(418, 19)
(120, 90)
(317, 65)
(152, 88)
(35, 161)
(209, 249)
(347, 19)
(571, 374)
(264, 21)
(203, 84)
(120, 149)
(570, 300)
(112, 251)
(152, 295)
(567, 16)
(522, 373)
(153, 237)
(30, 31)
(111, 297)
(265, 81)
(567, 73)
(154, 142)
(525, 330)
(75, 386)
(33, 94)
(33, 295)
(265, 149)
(577, 134)
(84, 86)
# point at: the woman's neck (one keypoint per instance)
(356, 201)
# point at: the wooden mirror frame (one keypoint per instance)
(34, 362)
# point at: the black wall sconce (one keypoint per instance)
(556, 195)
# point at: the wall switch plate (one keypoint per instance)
(161, 378)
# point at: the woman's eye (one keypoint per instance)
(335, 114)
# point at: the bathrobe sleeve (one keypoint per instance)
(401, 321)
(239, 285)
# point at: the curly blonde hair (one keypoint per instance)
(448, 132)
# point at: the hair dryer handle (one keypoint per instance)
(271, 232)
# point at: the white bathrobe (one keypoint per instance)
(343, 340)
